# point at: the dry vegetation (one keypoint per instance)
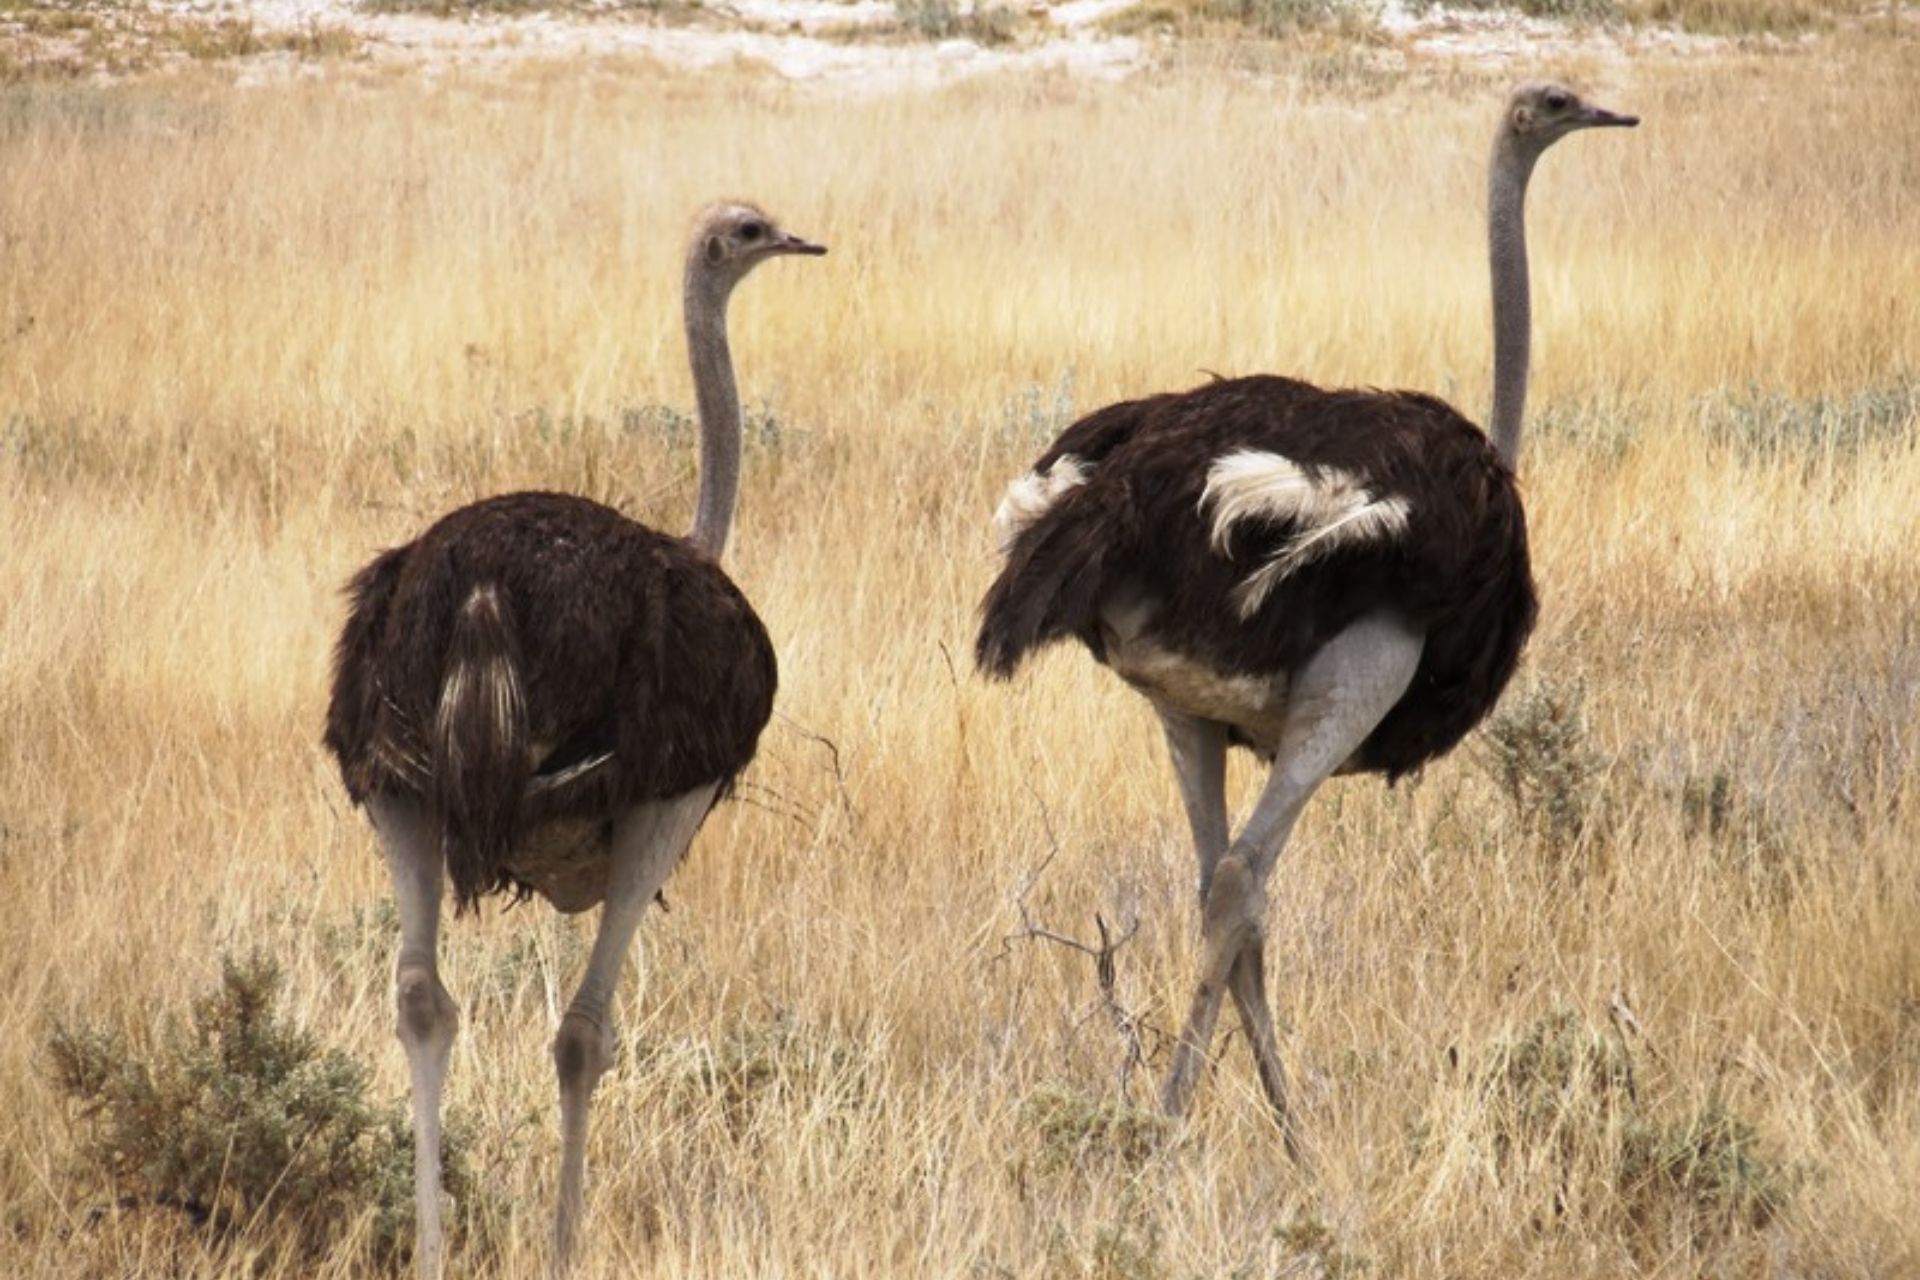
(1630, 985)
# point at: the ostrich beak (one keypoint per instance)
(1595, 117)
(794, 244)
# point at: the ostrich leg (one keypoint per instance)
(1198, 749)
(1248, 982)
(648, 842)
(1333, 702)
(426, 1014)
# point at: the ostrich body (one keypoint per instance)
(1338, 580)
(542, 695)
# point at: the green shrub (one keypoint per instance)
(1073, 1128)
(1737, 17)
(1710, 1167)
(987, 24)
(1762, 424)
(1275, 17)
(1033, 418)
(1565, 10)
(245, 1121)
(1535, 746)
(1554, 1087)
(761, 427)
(1565, 1119)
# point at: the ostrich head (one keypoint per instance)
(1539, 115)
(732, 238)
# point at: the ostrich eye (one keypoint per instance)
(1556, 101)
(753, 231)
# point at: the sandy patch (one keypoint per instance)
(842, 46)
(788, 37)
(1075, 14)
(1506, 35)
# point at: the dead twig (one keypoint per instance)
(1626, 1025)
(1627, 1022)
(1132, 1027)
(833, 760)
(780, 806)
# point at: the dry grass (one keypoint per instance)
(247, 337)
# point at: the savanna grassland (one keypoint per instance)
(1630, 984)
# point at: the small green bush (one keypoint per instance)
(1034, 417)
(987, 24)
(1554, 1087)
(1760, 424)
(1709, 1166)
(1275, 17)
(1074, 1127)
(1565, 1117)
(761, 426)
(1535, 746)
(1565, 10)
(244, 1120)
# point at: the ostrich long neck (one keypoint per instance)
(719, 403)
(1512, 315)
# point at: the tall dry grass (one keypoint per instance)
(249, 336)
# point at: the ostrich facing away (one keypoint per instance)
(541, 695)
(1335, 579)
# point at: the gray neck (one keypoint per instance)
(1512, 314)
(719, 402)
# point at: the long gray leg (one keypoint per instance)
(1333, 702)
(648, 842)
(1198, 748)
(426, 1015)
(1247, 981)
(1199, 751)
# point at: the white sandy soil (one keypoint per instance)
(860, 46)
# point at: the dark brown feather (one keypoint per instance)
(1460, 571)
(645, 672)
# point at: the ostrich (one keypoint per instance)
(1337, 580)
(541, 695)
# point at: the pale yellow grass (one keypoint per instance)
(248, 337)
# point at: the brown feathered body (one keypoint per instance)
(533, 665)
(1133, 537)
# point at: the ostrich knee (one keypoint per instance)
(581, 1055)
(427, 1016)
(1234, 915)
